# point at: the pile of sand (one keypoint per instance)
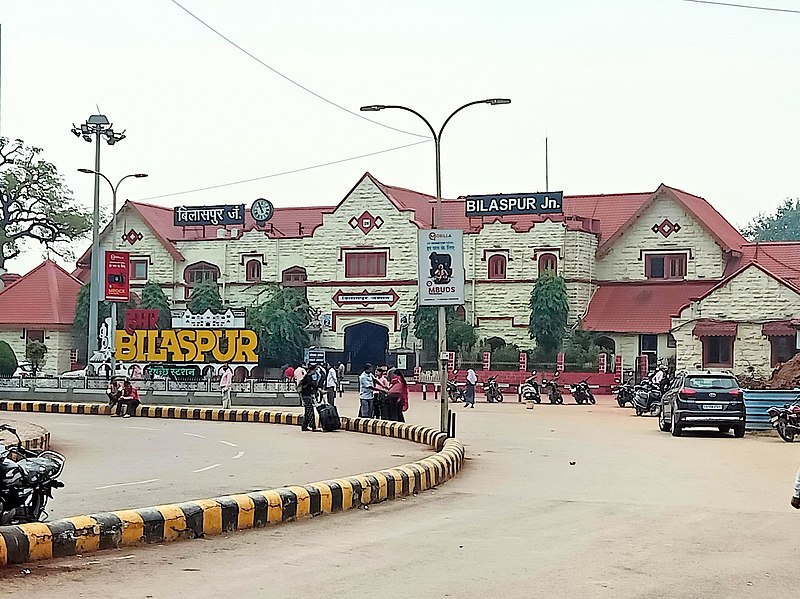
(786, 376)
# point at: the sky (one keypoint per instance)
(630, 93)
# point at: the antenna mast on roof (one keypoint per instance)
(546, 167)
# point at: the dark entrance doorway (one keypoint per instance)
(365, 343)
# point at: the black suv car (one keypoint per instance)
(703, 398)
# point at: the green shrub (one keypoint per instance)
(8, 360)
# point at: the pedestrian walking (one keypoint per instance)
(308, 392)
(340, 377)
(225, 384)
(397, 398)
(366, 392)
(469, 396)
(331, 384)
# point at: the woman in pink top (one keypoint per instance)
(398, 397)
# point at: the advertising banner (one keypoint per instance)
(117, 282)
(514, 203)
(200, 216)
(441, 267)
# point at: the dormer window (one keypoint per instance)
(665, 266)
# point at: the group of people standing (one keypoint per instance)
(383, 394)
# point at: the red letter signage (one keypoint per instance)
(117, 283)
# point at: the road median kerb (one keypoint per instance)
(206, 517)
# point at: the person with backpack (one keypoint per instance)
(307, 387)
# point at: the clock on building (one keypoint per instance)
(261, 210)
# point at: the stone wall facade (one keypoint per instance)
(59, 344)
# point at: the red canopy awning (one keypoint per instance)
(715, 328)
(779, 328)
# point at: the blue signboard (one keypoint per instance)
(515, 203)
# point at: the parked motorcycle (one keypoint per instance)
(582, 393)
(647, 399)
(624, 393)
(455, 393)
(530, 389)
(27, 484)
(550, 386)
(786, 420)
(492, 390)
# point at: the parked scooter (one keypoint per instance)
(624, 393)
(530, 389)
(786, 420)
(455, 393)
(550, 386)
(647, 399)
(26, 485)
(492, 390)
(582, 393)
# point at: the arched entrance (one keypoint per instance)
(364, 343)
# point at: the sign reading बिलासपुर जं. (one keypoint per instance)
(551, 202)
(201, 216)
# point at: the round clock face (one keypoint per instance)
(261, 210)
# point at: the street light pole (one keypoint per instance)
(95, 127)
(114, 189)
(437, 224)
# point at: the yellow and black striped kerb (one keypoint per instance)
(206, 517)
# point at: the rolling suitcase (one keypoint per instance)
(328, 417)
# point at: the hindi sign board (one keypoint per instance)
(200, 216)
(551, 202)
(117, 282)
(441, 267)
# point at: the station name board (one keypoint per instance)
(200, 216)
(515, 203)
(188, 346)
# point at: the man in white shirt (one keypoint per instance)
(331, 382)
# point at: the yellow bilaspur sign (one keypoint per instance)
(187, 345)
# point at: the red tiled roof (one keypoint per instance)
(46, 296)
(714, 328)
(781, 258)
(640, 307)
(778, 328)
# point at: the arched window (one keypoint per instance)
(497, 267)
(548, 261)
(295, 276)
(201, 271)
(253, 270)
(461, 313)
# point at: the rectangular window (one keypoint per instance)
(717, 351)
(783, 349)
(665, 266)
(648, 343)
(365, 264)
(138, 270)
(34, 335)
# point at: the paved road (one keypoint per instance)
(639, 514)
(116, 463)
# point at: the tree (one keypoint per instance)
(8, 360)
(35, 204)
(783, 225)
(205, 296)
(580, 348)
(460, 335)
(280, 325)
(549, 311)
(36, 353)
(154, 298)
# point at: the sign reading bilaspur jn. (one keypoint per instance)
(514, 203)
(201, 216)
(441, 267)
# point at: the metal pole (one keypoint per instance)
(114, 304)
(442, 315)
(95, 278)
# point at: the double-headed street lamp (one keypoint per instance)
(96, 126)
(114, 189)
(437, 224)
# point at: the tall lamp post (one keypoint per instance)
(437, 224)
(95, 127)
(114, 189)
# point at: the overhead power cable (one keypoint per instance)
(289, 79)
(290, 172)
(748, 6)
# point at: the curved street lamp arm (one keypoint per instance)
(412, 111)
(116, 187)
(455, 112)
